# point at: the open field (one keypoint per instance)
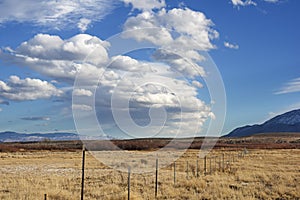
(260, 174)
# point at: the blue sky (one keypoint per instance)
(164, 70)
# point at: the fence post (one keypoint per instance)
(215, 166)
(128, 182)
(204, 165)
(45, 196)
(223, 163)
(174, 173)
(220, 163)
(210, 172)
(197, 168)
(82, 177)
(187, 169)
(156, 177)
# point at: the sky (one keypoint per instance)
(152, 68)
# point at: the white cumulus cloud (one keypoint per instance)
(55, 14)
(83, 24)
(27, 89)
(57, 58)
(82, 92)
(243, 2)
(197, 84)
(127, 63)
(146, 4)
(194, 29)
(126, 79)
(180, 32)
(82, 107)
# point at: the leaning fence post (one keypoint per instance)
(156, 177)
(82, 177)
(128, 182)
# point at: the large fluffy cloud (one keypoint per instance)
(194, 29)
(55, 14)
(142, 84)
(181, 33)
(158, 88)
(27, 89)
(57, 58)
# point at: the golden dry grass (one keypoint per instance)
(262, 174)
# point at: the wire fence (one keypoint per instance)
(175, 172)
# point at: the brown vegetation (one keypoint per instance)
(270, 171)
(261, 174)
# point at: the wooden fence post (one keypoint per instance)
(128, 183)
(187, 169)
(223, 162)
(82, 177)
(197, 168)
(220, 164)
(174, 173)
(204, 165)
(45, 196)
(156, 178)
(215, 166)
(210, 172)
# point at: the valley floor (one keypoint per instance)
(260, 174)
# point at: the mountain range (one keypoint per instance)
(9, 136)
(287, 122)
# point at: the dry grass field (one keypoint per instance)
(261, 174)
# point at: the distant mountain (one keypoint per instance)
(23, 137)
(287, 122)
